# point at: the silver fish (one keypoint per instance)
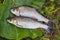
(28, 12)
(29, 23)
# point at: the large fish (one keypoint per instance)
(29, 23)
(28, 12)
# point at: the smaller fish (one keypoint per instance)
(28, 23)
(28, 12)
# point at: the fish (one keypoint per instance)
(28, 23)
(29, 12)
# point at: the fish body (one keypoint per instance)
(24, 22)
(29, 12)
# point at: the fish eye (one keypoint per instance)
(17, 9)
(10, 20)
(13, 9)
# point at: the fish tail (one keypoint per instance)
(50, 28)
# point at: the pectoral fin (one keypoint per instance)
(18, 25)
(38, 28)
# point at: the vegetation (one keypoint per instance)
(48, 8)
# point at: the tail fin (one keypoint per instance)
(50, 28)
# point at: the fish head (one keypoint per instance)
(15, 11)
(11, 20)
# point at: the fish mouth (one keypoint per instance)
(8, 19)
(12, 10)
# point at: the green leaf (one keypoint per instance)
(10, 31)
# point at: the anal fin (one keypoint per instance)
(38, 28)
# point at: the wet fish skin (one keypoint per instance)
(28, 23)
(28, 12)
